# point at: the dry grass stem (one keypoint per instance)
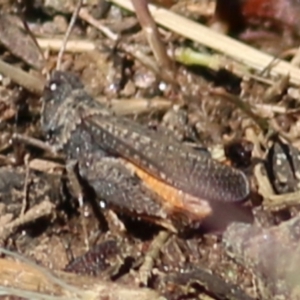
(252, 57)
(67, 34)
(152, 35)
(30, 281)
(28, 81)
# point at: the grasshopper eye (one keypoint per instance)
(60, 85)
(52, 89)
(53, 85)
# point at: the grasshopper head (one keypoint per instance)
(57, 92)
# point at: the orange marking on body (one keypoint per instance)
(174, 199)
(227, 162)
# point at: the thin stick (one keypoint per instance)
(33, 142)
(68, 33)
(40, 210)
(159, 50)
(22, 78)
(151, 256)
(258, 60)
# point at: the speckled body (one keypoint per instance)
(87, 131)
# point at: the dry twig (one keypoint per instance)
(153, 38)
(40, 210)
(252, 57)
(68, 33)
(28, 280)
